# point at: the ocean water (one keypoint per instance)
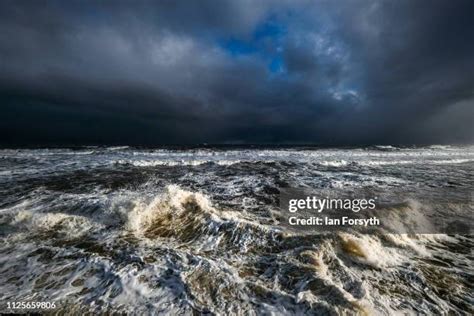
(163, 231)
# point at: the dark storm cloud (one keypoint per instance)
(147, 72)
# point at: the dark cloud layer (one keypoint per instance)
(183, 72)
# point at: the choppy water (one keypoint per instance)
(182, 231)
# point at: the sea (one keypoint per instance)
(185, 231)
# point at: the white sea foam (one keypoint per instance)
(336, 163)
(72, 226)
(171, 163)
(369, 249)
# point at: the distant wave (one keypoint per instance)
(441, 147)
(343, 163)
(113, 148)
(326, 163)
(414, 161)
(171, 163)
(335, 163)
(386, 147)
(182, 162)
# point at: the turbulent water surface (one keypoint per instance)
(196, 230)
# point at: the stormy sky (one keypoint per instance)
(231, 72)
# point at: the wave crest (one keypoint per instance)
(190, 216)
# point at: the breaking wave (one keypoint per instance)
(189, 217)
